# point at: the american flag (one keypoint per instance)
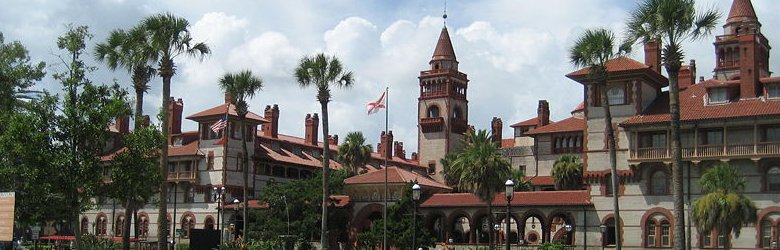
(219, 125)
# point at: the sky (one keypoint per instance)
(514, 52)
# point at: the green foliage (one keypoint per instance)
(17, 75)
(134, 175)
(723, 208)
(399, 226)
(91, 242)
(354, 152)
(567, 172)
(479, 168)
(450, 176)
(551, 246)
(521, 184)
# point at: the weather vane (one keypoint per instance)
(445, 12)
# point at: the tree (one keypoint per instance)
(322, 71)
(593, 50)
(168, 37)
(81, 128)
(672, 22)
(17, 75)
(723, 208)
(240, 87)
(567, 172)
(481, 170)
(134, 173)
(354, 152)
(129, 50)
(450, 177)
(400, 225)
(521, 183)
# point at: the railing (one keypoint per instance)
(434, 124)
(704, 151)
(182, 175)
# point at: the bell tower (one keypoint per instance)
(742, 51)
(442, 107)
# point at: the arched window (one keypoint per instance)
(143, 222)
(616, 95)
(457, 113)
(608, 236)
(187, 223)
(608, 185)
(768, 226)
(773, 179)
(84, 225)
(101, 228)
(119, 225)
(712, 239)
(208, 223)
(657, 231)
(433, 111)
(658, 183)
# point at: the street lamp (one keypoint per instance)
(603, 229)
(510, 192)
(219, 194)
(236, 202)
(568, 233)
(416, 190)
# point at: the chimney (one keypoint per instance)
(653, 55)
(687, 75)
(385, 142)
(312, 124)
(749, 86)
(496, 128)
(543, 114)
(175, 110)
(333, 139)
(414, 156)
(122, 124)
(271, 129)
(701, 79)
(398, 148)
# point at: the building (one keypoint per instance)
(733, 117)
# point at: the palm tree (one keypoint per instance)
(322, 71)
(168, 37)
(672, 22)
(593, 50)
(723, 208)
(567, 172)
(354, 152)
(521, 183)
(481, 170)
(240, 87)
(129, 50)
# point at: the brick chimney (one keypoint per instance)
(415, 157)
(543, 114)
(384, 147)
(687, 75)
(398, 149)
(496, 128)
(271, 129)
(312, 124)
(333, 139)
(122, 124)
(653, 55)
(175, 110)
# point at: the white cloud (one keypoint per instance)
(216, 27)
(269, 54)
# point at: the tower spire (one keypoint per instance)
(444, 17)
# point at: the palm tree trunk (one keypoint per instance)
(139, 107)
(166, 72)
(325, 172)
(677, 172)
(126, 231)
(611, 146)
(245, 164)
(490, 225)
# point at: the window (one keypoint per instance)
(712, 240)
(766, 233)
(773, 90)
(119, 225)
(608, 237)
(617, 95)
(608, 185)
(652, 140)
(718, 95)
(102, 225)
(187, 223)
(712, 137)
(567, 144)
(665, 234)
(209, 224)
(457, 114)
(772, 134)
(431, 167)
(210, 161)
(240, 162)
(773, 179)
(84, 225)
(143, 221)
(189, 195)
(206, 133)
(658, 183)
(651, 234)
(235, 131)
(171, 167)
(433, 112)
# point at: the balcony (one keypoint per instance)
(432, 124)
(190, 176)
(459, 126)
(708, 152)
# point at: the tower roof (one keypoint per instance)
(741, 9)
(444, 50)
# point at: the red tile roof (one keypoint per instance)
(541, 180)
(283, 155)
(741, 8)
(535, 198)
(571, 124)
(507, 143)
(615, 65)
(219, 111)
(395, 175)
(444, 50)
(530, 122)
(190, 149)
(579, 107)
(693, 106)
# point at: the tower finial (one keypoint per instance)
(445, 13)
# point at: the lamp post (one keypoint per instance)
(568, 233)
(218, 196)
(237, 202)
(510, 192)
(416, 190)
(603, 229)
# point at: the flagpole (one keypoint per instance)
(224, 163)
(384, 209)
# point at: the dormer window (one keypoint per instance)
(773, 90)
(718, 95)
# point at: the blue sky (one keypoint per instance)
(513, 51)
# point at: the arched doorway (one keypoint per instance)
(436, 225)
(461, 229)
(562, 229)
(513, 230)
(533, 228)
